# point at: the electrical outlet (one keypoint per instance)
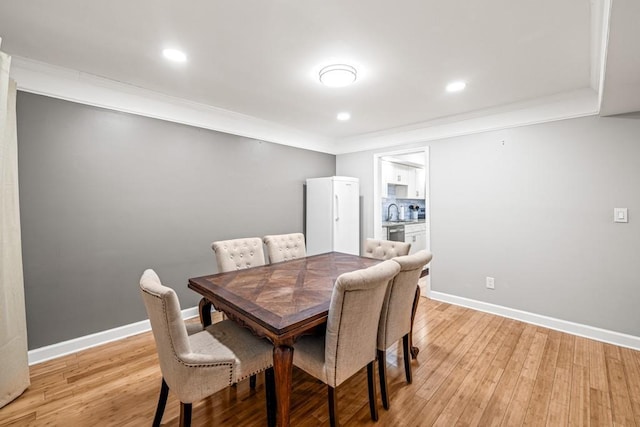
(491, 284)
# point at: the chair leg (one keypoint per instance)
(416, 300)
(373, 404)
(333, 407)
(185, 414)
(252, 382)
(382, 371)
(407, 358)
(162, 402)
(204, 308)
(270, 391)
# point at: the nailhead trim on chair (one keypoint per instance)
(190, 365)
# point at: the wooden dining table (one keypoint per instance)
(280, 302)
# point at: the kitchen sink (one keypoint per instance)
(412, 221)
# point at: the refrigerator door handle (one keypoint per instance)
(337, 209)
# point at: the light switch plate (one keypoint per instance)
(620, 215)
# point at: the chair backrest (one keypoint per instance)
(395, 317)
(192, 373)
(352, 325)
(283, 247)
(385, 249)
(163, 309)
(238, 254)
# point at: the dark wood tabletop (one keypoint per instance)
(281, 302)
(279, 298)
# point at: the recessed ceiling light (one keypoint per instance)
(338, 75)
(174, 55)
(344, 116)
(456, 86)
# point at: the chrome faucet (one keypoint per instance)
(389, 211)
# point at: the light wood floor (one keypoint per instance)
(473, 369)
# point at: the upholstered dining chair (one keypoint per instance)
(395, 317)
(283, 247)
(197, 363)
(385, 249)
(350, 340)
(237, 254)
(231, 255)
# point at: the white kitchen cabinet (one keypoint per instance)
(416, 183)
(386, 172)
(394, 173)
(416, 234)
(411, 187)
(399, 175)
(421, 241)
(419, 183)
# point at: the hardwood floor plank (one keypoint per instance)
(474, 411)
(566, 352)
(465, 339)
(558, 412)
(473, 369)
(597, 367)
(632, 374)
(451, 374)
(18, 420)
(520, 402)
(499, 402)
(486, 348)
(600, 408)
(579, 401)
(581, 352)
(541, 395)
(622, 412)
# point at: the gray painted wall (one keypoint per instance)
(533, 207)
(104, 195)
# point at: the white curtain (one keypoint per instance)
(14, 367)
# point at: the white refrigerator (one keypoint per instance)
(333, 215)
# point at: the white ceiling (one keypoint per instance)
(260, 58)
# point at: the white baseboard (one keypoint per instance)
(598, 334)
(64, 348)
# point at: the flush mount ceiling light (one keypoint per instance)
(456, 86)
(344, 116)
(338, 75)
(174, 55)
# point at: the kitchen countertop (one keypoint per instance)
(414, 221)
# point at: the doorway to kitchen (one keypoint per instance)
(401, 199)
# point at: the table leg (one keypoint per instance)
(283, 367)
(204, 309)
(414, 350)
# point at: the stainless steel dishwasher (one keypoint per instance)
(395, 233)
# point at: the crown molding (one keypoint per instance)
(567, 105)
(70, 85)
